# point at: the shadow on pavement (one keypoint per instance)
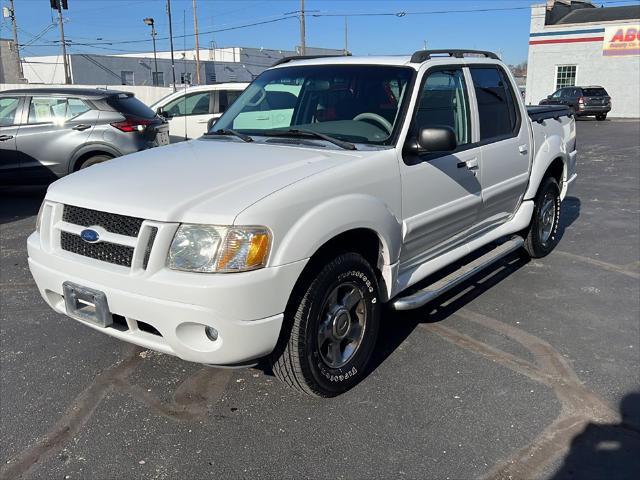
(18, 202)
(606, 451)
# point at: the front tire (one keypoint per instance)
(331, 326)
(542, 236)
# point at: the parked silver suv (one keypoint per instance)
(46, 133)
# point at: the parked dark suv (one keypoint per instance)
(46, 133)
(585, 101)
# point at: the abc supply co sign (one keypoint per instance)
(621, 40)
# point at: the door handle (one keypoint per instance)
(203, 121)
(523, 149)
(472, 164)
(5, 137)
(81, 127)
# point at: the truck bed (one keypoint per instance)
(538, 113)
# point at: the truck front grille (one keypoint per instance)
(104, 251)
(111, 222)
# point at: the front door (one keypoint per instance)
(441, 194)
(10, 111)
(504, 136)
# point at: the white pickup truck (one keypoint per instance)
(284, 239)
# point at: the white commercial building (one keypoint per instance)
(574, 42)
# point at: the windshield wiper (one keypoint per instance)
(228, 131)
(310, 133)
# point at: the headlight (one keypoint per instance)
(211, 248)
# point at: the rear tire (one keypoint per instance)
(601, 117)
(93, 161)
(331, 328)
(542, 236)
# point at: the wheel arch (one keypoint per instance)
(88, 151)
(551, 161)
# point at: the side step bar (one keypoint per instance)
(424, 296)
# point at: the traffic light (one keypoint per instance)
(55, 4)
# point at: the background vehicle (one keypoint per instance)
(583, 101)
(190, 111)
(284, 243)
(46, 133)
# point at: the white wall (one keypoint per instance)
(145, 94)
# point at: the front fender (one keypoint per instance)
(335, 216)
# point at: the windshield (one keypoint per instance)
(355, 103)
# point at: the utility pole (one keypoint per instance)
(59, 5)
(173, 64)
(12, 15)
(303, 34)
(195, 26)
(346, 36)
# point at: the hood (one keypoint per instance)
(201, 181)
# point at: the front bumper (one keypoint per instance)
(245, 308)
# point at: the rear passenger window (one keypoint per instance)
(47, 109)
(55, 109)
(443, 102)
(496, 105)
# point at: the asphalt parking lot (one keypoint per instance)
(532, 369)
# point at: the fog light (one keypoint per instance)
(211, 333)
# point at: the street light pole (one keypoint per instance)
(152, 23)
(173, 64)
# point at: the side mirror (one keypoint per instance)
(210, 123)
(436, 139)
(164, 114)
(549, 97)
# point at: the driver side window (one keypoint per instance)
(443, 102)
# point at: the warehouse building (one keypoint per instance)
(233, 64)
(574, 42)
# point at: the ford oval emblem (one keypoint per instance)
(90, 236)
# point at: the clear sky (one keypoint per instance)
(100, 24)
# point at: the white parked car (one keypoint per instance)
(190, 110)
(283, 238)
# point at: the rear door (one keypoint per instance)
(10, 113)
(504, 137)
(54, 129)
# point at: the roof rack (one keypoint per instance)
(306, 57)
(424, 55)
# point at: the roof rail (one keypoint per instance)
(305, 57)
(424, 55)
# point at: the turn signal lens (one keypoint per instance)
(245, 248)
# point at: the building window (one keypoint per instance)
(158, 79)
(126, 77)
(565, 76)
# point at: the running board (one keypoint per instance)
(424, 296)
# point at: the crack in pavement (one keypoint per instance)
(580, 406)
(190, 402)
